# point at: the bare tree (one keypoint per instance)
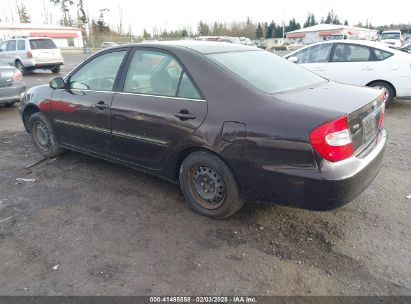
(65, 9)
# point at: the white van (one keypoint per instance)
(393, 38)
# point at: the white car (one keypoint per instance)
(358, 62)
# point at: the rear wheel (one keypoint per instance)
(56, 69)
(209, 186)
(389, 91)
(19, 66)
(43, 135)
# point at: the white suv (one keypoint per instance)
(30, 53)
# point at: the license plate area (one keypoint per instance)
(369, 125)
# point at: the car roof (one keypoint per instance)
(203, 47)
(374, 44)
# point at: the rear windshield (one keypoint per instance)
(38, 44)
(266, 71)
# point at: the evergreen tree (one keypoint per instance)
(270, 32)
(259, 32)
(203, 29)
(346, 22)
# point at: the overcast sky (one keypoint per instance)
(185, 13)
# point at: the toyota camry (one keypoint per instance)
(228, 123)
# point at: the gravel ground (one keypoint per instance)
(89, 227)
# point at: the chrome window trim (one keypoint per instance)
(161, 96)
(139, 94)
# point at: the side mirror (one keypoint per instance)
(57, 83)
(293, 59)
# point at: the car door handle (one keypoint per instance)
(184, 115)
(367, 69)
(101, 105)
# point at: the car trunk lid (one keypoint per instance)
(363, 107)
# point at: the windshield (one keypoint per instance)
(266, 71)
(39, 44)
(391, 36)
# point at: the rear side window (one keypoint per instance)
(39, 44)
(187, 89)
(21, 45)
(351, 53)
(381, 55)
(11, 46)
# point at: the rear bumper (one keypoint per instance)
(12, 93)
(329, 186)
(35, 64)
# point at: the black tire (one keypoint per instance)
(19, 66)
(9, 104)
(43, 135)
(56, 69)
(202, 171)
(388, 89)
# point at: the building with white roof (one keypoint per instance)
(321, 32)
(64, 36)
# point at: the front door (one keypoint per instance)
(81, 112)
(157, 108)
(315, 58)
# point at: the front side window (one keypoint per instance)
(157, 73)
(351, 53)
(99, 74)
(11, 46)
(21, 45)
(316, 54)
(266, 71)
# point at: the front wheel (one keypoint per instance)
(209, 186)
(43, 135)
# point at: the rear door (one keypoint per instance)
(157, 108)
(352, 64)
(315, 58)
(81, 112)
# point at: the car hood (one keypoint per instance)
(332, 96)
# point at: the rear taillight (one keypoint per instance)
(332, 140)
(29, 54)
(382, 112)
(17, 75)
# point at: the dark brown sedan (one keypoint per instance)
(230, 123)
